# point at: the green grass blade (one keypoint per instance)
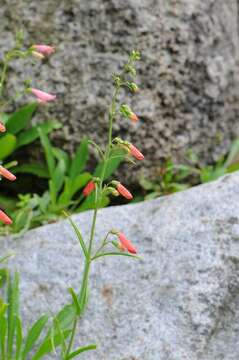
(12, 312)
(7, 145)
(75, 301)
(33, 335)
(28, 136)
(80, 351)
(78, 234)
(48, 149)
(20, 119)
(50, 343)
(19, 338)
(3, 333)
(79, 161)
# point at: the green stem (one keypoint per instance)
(111, 116)
(3, 76)
(107, 151)
(92, 232)
(72, 337)
(82, 299)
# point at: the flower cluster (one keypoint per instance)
(115, 188)
(39, 51)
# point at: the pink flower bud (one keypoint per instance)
(44, 49)
(2, 127)
(7, 174)
(135, 152)
(126, 243)
(42, 97)
(4, 218)
(89, 188)
(133, 117)
(123, 191)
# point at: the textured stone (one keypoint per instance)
(188, 73)
(181, 301)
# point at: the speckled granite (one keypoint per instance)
(180, 302)
(188, 74)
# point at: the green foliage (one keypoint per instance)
(40, 339)
(67, 176)
(169, 179)
(172, 178)
(18, 132)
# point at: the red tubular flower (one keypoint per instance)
(2, 127)
(123, 191)
(7, 174)
(135, 152)
(133, 117)
(89, 188)
(126, 243)
(4, 218)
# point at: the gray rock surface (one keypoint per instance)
(188, 73)
(180, 302)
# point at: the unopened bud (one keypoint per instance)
(134, 87)
(111, 190)
(128, 113)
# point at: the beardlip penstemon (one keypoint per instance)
(121, 246)
(63, 331)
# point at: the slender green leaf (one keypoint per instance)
(115, 254)
(72, 187)
(39, 170)
(79, 182)
(12, 312)
(20, 119)
(33, 335)
(78, 234)
(48, 151)
(80, 351)
(7, 145)
(19, 338)
(3, 274)
(75, 301)
(32, 134)
(48, 344)
(59, 175)
(66, 316)
(53, 192)
(79, 161)
(3, 333)
(62, 155)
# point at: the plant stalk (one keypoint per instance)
(92, 233)
(3, 76)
